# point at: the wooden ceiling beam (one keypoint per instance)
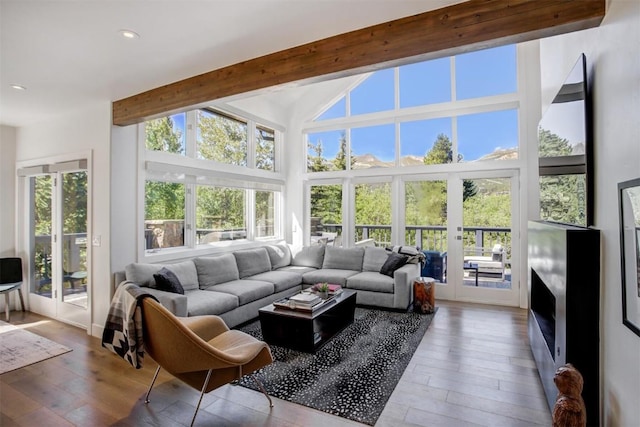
(463, 27)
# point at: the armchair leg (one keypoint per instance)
(153, 381)
(204, 387)
(261, 387)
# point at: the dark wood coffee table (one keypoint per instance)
(307, 331)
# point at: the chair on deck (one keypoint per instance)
(201, 350)
(488, 260)
(11, 280)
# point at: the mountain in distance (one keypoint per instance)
(367, 161)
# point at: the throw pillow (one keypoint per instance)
(394, 262)
(167, 281)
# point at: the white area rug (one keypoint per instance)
(20, 348)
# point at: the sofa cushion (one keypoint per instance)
(246, 290)
(280, 255)
(167, 281)
(297, 269)
(252, 261)
(394, 262)
(309, 256)
(186, 273)
(142, 274)
(328, 275)
(201, 302)
(371, 281)
(374, 258)
(216, 270)
(343, 258)
(282, 280)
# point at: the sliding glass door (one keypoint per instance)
(58, 231)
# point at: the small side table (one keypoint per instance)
(424, 295)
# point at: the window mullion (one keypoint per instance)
(190, 216)
(250, 213)
(252, 144)
(191, 129)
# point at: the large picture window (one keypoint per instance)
(469, 101)
(191, 205)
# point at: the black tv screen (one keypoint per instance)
(565, 153)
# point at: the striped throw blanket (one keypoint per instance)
(123, 329)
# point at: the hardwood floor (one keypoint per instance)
(473, 367)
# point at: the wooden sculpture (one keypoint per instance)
(569, 410)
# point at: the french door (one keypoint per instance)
(464, 222)
(58, 243)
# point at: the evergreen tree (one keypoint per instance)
(340, 162)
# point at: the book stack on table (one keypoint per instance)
(303, 301)
(334, 289)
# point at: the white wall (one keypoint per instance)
(7, 196)
(613, 63)
(7, 190)
(124, 182)
(89, 129)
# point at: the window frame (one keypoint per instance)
(192, 172)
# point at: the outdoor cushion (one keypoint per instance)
(374, 258)
(252, 261)
(309, 256)
(246, 290)
(280, 255)
(371, 281)
(216, 270)
(201, 302)
(343, 258)
(281, 280)
(328, 275)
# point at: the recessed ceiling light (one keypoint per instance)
(18, 87)
(128, 34)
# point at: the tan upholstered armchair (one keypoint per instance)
(200, 350)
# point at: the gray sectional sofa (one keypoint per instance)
(235, 285)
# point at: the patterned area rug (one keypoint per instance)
(20, 348)
(354, 374)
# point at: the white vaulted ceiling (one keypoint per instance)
(69, 54)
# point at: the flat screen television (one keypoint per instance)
(565, 153)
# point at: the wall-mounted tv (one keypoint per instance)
(565, 153)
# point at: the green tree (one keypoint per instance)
(340, 162)
(265, 149)
(222, 138)
(220, 208)
(163, 200)
(161, 136)
(561, 196)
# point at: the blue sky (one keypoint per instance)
(478, 74)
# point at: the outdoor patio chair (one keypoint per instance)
(200, 350)
(488, 260)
